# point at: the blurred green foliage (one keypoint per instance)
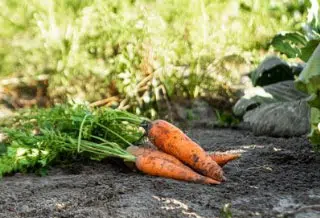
(139, 50)
(301, 44)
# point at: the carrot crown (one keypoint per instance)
(146, 125)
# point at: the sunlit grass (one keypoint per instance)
(94, 49)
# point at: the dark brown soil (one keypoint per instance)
(275, 177)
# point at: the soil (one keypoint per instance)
(275, 177)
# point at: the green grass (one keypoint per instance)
(139, 49)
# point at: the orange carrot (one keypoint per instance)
(157, 166)
(172, 140)
(222, 158)
(137, 151)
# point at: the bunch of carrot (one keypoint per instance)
(178, 156)
(38, 138)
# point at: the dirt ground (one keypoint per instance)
(275, 177)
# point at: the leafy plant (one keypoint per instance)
(281, 109)
(226, 211)
(286, 108)
(309, 82)
(278, 109)
(297, 44)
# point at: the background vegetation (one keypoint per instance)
(134, 53)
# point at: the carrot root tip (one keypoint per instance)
(224, 178)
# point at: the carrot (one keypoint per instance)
(137, 151)
(222, 158)
(154, 165)
(172, 140)
(169, 162)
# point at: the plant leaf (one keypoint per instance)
(309, 79)
(314, 135)
(309, 82)
(278, 92)
(308, 50)
(3, 148)
(271, 70)
(278, 110)
(289, 43)
(280, 118)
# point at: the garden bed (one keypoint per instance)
(274, 177)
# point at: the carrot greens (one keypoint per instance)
(39, 137)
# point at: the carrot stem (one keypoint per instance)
(99, 138)
(114, 133)
(80, 131)
(104, 150)
(128, 118)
